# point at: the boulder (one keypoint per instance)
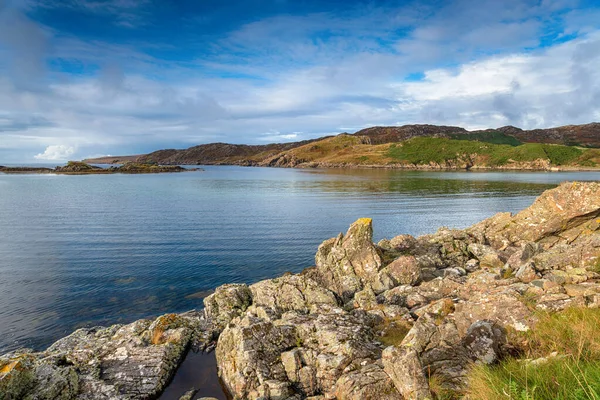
(404, 270)
(367, 382)
(227, 302)
(119, 362)
(404, 366)
(291, 293)
(249, 356)
(306, 353)
(484, 341)
(346, 263)
(568, 206)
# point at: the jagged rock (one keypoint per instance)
(248, 355)
(404, 366)
(120, 362)
(55, 381)
(227, 302)
(290, 293)
(367, 382)
(346, 263)
(306, 352)
(560, 209)
(504, 307)
(17, 375)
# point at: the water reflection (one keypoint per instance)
(95, 250)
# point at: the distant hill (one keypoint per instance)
(409, 146)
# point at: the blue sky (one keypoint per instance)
(83, 78)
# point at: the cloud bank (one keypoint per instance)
(107, 85)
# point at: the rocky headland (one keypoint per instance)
(405, 318)
(81, 168)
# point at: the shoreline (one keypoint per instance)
(334, 329)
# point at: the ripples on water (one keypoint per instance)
(100, 249)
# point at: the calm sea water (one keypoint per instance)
(101, 249)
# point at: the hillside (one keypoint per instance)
(408, 146)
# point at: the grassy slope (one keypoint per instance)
(347, 149)
(490, 136)
(426, 150)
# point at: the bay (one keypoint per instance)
(93, 250)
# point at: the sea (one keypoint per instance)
(88, 250)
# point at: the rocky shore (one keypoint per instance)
(81, 168)
(368, 321)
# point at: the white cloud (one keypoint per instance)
(56, 153)
(278, 79)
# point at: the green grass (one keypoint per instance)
(424, 150)
(573, 374)
(554, 379)
(494, 137)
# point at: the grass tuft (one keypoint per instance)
(572, 373)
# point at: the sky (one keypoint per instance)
(84, 78)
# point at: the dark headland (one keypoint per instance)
(82, 168)
(508, 305)
(572, 147)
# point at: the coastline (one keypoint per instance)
(333, 329)
(81, 168)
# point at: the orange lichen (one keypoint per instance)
(162, 324)
(9, 367)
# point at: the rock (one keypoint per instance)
(367, 382)
(438, 345)
(17, 375)
(306, 353)
(403, 243)
(403, 271)
(484, 341)
(346, 263)
(119, 362)
(568, 206)
(559, 301)
(503, 307)
(526, 273)
(486, 255)
(404, 366)
(226, 303)
(472, 265)
(55, 381)
(581, 289)
(291, 293)
(189, 395)
(248, 355)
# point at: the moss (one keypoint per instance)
(529, 299)
(393, 332)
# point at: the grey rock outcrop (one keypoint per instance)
(368, 322)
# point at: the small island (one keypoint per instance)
(82, 168)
